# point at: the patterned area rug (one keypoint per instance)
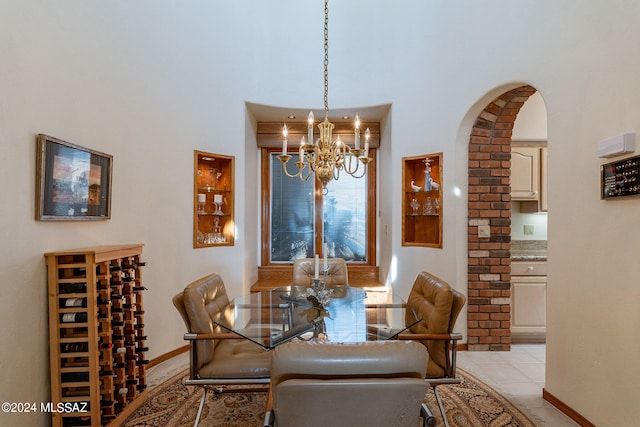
(469, 404)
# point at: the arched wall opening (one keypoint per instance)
(489, 204)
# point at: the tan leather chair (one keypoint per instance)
(304, 270)
(378, 383)
(337, 275)
(216, 357)
(438, 305)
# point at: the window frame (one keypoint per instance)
(265, 234)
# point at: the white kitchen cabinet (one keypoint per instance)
(525, 173)
(529, 177)
(528, 301)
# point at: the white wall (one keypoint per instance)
(150, 81)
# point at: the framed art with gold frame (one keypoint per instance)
(72, 182)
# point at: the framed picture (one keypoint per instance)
(73, 182)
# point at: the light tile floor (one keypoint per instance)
(517, 374)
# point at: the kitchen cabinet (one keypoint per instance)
(525, 173)
(528, 301)
(529, 177)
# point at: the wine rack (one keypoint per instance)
(96, 332)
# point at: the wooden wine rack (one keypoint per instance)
(96, 333)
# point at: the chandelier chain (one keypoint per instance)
(326, 59)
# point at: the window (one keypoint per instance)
(298, 218)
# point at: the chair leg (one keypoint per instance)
(427, 416)
(204, 396)
(439, 400)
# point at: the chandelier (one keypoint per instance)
(325, 157)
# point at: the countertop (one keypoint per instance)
(528, 250)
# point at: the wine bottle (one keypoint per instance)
(142, 349)
(141, 387)
(122, 390)
(120, 350)
(105, 345)
(73, 317)
(142, 362)
(74, 347)
(73, 288)
(107, 373)
(141, 338)
(75, 377)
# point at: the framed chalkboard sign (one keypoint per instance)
(621, 178)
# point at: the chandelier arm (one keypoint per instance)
(364, 172)
(349, 168)
(286, 172)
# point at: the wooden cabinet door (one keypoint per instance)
(528, 306)
(525, 173)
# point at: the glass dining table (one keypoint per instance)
(273, 317)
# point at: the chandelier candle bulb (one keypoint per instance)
(217, 198)
(317, 270)
(310, 119)
(357, 132)
(285, 132)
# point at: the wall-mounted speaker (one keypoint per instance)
(618, 145)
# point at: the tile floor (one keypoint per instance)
(518, 375)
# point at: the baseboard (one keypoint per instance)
(173, 353)
(568, 411)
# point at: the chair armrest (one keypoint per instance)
(454, 336)
(213, 336)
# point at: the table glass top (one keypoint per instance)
(276, 316)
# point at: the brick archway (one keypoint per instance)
(489, 204)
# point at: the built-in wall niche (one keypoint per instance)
(422, 200)
(213, 194)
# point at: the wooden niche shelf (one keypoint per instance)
(422, 200)
(213, 223)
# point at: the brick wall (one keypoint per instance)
(489, 274)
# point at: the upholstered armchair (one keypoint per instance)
(216, 358)
(337, 274)
(379, 383)
(438, 306)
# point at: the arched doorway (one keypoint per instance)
(489, 204)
